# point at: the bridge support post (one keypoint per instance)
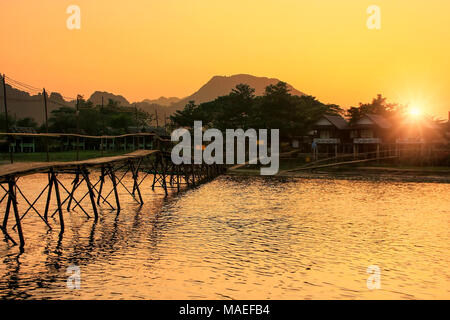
(49, 196)
(102, 181)
(186, 175)
(85, 174)
(112, 175)
(155, 172)
(178, 178)
(135, 172)
(164, 175)
(12, 195)
(75, 183)
(8, 209)
(58, 202)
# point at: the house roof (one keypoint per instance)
(23, 130)
(149, 129)
(336, 121)
(380, 121)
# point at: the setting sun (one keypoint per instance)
(415, 111)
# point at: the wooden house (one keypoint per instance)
(370, 133)
(331, 135)
(421, 141)
(419, 131)
(23, 143)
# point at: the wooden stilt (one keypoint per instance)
(49, 195)
(166, 174)
(31, 206)
(164, 182)
(7, 236)
(58, 203)
(155, 172)
(102, 181)
(8, 209)
(178, 179)
(186, 174)
(75, 183)
(114, 182)
(68, 192)
(135, 171)
(91, 193)
(12, 194)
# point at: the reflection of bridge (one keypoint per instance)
(148, 163)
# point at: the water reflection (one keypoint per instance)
(243, 238)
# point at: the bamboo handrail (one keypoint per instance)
(60, 135)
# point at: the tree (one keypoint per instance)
(27, 122)
(187, 116)
(63, 120)
(378, 106)
(11, 122)
(121, 122)
(276, 109)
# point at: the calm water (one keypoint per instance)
(243, 238)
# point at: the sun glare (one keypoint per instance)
(414, 111)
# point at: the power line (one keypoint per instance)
(21, 83)
(28, 87)
(22, 86)
(15, 86)
(34, 91)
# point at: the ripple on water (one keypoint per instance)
(243, 238)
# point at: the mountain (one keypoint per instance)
(21, 104)
(222, 85)
(96, 98)
(163, 101)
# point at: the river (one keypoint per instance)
(241, 238)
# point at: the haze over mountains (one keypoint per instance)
(22, 105)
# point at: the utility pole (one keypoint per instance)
(157, 122)
(103, 126)
(103, 119)
(44, 93)
(136, 113)
(137, 128)
(165, 121)
(6, 117)
(78, 127)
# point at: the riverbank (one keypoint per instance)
(384, 173)
(62, 156)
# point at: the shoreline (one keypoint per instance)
(438, 175)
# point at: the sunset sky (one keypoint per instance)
(151, 48)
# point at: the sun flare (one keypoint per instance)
(415, 111)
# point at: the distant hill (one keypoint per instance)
(222, 85)
(21, 104)
(163, 101)
(96, 98)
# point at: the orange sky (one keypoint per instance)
(149, 48)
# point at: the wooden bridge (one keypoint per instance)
(140, 164)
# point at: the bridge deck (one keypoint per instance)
(27, 168)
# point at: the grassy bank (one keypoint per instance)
(57, 156)
(372, 169)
